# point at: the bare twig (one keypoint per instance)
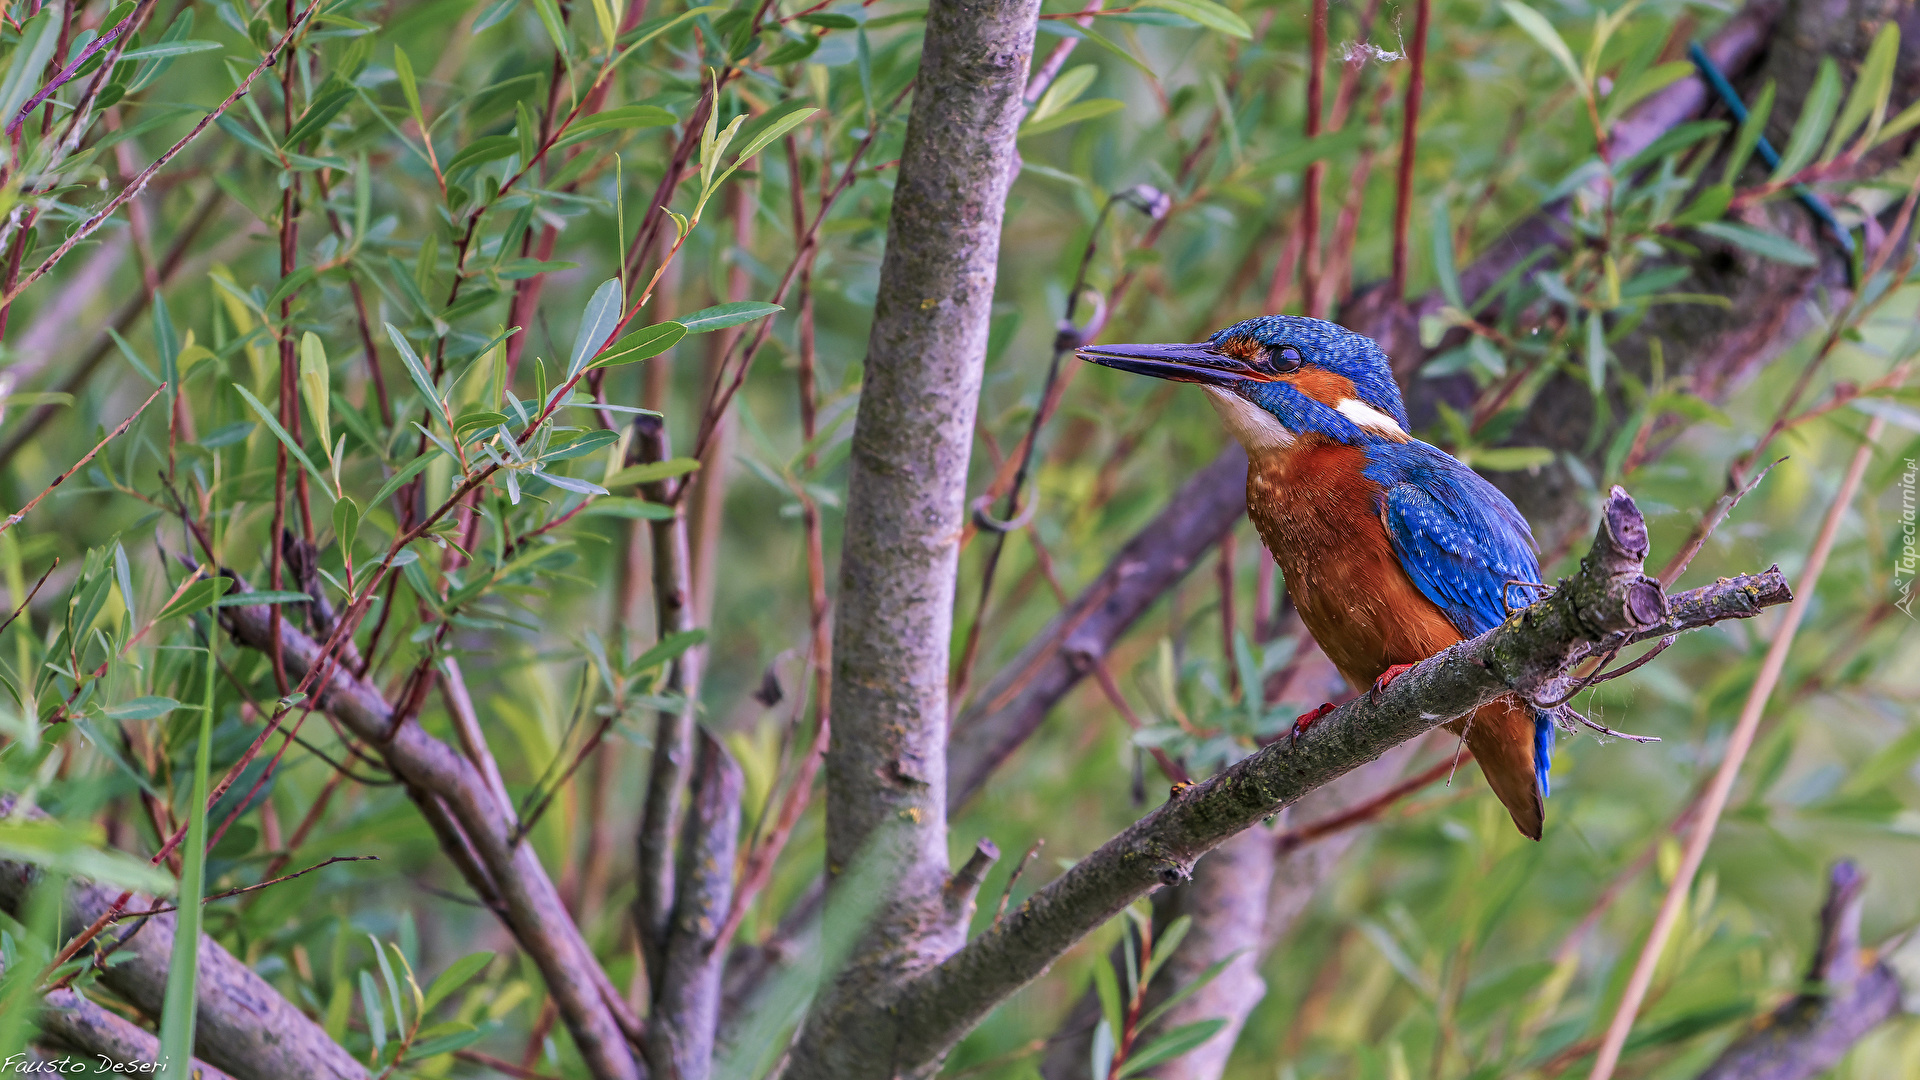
(14, 518)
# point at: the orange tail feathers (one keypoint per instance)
(1501, 735)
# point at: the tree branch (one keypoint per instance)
(686, 1011)
(71, 1022)
(1850, 994)
(242, 1025)
(1608, 602)
(673, 732)
(906, 490)
(512, 872)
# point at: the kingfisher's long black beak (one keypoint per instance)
(1195, 363)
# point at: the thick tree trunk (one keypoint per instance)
(886, 768)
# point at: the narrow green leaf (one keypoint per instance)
(1065, 91)
(38, 37)
(403, 67)
(316, 388)
(1206, 13)
(1816, 117)
(454, 977)
(721, 316)
(346, 525)
(596, 325)
(54, 846)
(1106, 987)
(1871, 90)
(646, 342)
(1764, 244)
(773, 131)
(141, 708)
(418, 373)
(1073, 114)
(651, 471)
(1441, 234)
(1542, 31)
(280, 433)
(180, 1003)
(1751, 130)
(1596, 353)
(197, 596)
(1171, 1045)
(413, 468)
(123, 577)
(374, 1010)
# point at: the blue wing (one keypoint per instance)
(1462, 542)
(1457, 536)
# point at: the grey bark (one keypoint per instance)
(1809, 1034)
(886, 765)
(1609, 603)
(242, 1026)
(672, 758)
(500, 868)
(687, 1001)
(69, 1022)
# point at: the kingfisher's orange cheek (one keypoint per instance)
(1322, 385)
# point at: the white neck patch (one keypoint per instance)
(1255, 428)
(1367, 416)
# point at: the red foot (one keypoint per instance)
(1306, 720)
(1386, 677)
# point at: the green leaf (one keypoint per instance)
(373, 1009)
(1871, 90)
(572, 483)
(38, 37)
(413, 468)
(596, 325)
(1596, 353)
(141, 708)
(624, 118)
(403, 67)
(1710, 205)
(327, 103)
(1650, 81)
(1206, 13)
(346, 525)
(667, 648)
(264, 598)
(482, 150)
(556, 25)
(1441, 234)
(180, 1000)
(198, 596)
(1073, 114)
(1816, 117)
(646, 342)
(1212, 972)
(445, 1044)
(315, 387)
(774, 130)
(1764, 244)
(1106, 987)
(1171, 1045)
(455, 976)
(280, 433)
(418, 373)
(651, 471)
(721, 316)
(1542, 31)
(830, 20)
(169, 48)
(53, 846)
(1065, 91)
(625, 506)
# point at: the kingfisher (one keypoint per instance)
(1391, 549)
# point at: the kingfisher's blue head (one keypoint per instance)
(1280, 377)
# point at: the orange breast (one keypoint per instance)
(1317, 513)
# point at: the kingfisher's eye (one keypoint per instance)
(1286, 358)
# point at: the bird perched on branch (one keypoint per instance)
(1392, 549)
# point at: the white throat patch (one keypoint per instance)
(1367, 416)
(1256, 428)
